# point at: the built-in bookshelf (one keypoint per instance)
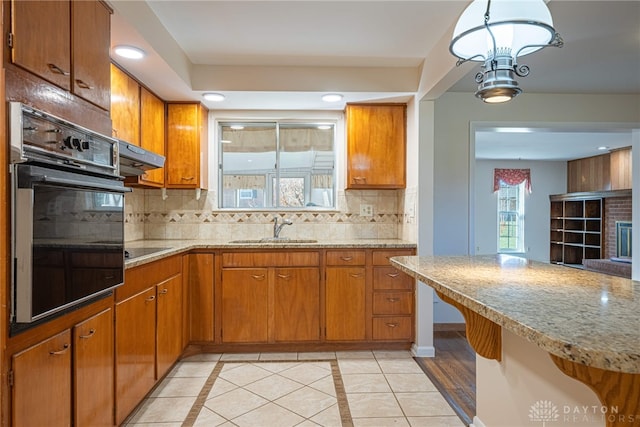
(576, 229)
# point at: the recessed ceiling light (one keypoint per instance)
(129, 52)
(216, 97)
(332, 97)
(602, 147)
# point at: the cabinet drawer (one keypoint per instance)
(382, 257)
(270, 259)
(345, 257)
(391, 278)
(393, 328)
(392, 303)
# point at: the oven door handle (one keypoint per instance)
(82, 184)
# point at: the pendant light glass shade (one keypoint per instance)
(496, 33)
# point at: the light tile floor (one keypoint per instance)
(368, 389)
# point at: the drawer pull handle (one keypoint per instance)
(284, 276)
(164, 291)
(65, 348)
(357, 179)
(109, 277)
(356, 275)
(55, 69)
(258, 276)
(187, 178)
(346, 258)
(392, 325)
(393, 299)
(393, 275)
(149, 299)
(83, 85)
(89, 335)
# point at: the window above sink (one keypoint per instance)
(277, 164)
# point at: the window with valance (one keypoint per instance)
(512, 177)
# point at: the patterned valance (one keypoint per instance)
(512, 177)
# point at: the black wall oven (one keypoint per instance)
(67, 216)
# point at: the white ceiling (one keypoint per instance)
(283, 55)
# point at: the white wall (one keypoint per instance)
(453, 115)
(451, 224)
(546, 178)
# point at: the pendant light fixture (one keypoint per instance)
(497, 33)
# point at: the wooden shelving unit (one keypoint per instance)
(576, 226)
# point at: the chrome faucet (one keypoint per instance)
(277, 228)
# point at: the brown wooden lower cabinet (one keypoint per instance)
(93, 371)
(169, 343)
(296, 304)
(345, 303)
(42, 383)
(244, 305)
(135, 350)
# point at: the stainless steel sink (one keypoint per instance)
(274, 240)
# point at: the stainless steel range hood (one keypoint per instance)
(135, 160)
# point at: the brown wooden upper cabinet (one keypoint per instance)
(185, 166)
(611, 171)
(65, 43)
(125, 106)
(376, 146)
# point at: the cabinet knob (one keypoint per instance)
(55, 69)
(65, 348)
(164, 291)
(151, 298)
(89, 335)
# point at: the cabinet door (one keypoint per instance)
(245, 305)
(93, 371)
(297, 304)
(42, 383)
(91, 40)
(42, 39)
(152, 133)
(345, 303)
(169, 324)
(201, 278)
(125, 106)
(376, 146)
(135, 350)
(186, 140)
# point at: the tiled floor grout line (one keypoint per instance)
(202, 396)
(341, 395)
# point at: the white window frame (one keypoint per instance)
(520, 218)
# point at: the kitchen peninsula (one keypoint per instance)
(516, 310)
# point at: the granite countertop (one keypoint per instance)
(167, 248)
(586, 317)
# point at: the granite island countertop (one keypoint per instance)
(170, 247)
(586, 317)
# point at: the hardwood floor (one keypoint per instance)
(453, 371)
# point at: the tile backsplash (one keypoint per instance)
(183, 216)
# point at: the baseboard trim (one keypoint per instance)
(423, 351)
(477, 423)
(458, 327)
